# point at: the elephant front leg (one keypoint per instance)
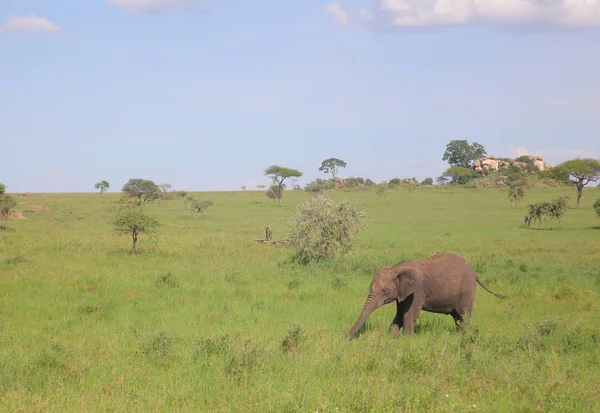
(412, 309)
(398, 322)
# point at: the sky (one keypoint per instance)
(205, 95)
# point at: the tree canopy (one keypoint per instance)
(279, 174)
(461, 153)
(460, 175)
(578, 172)
(332, 166)
(102, 186)
(143, 189)
(132, 219)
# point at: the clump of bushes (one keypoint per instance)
(597, 207)
(322, 229)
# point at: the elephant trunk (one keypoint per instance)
(370, 305)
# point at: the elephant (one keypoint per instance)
(443, 283)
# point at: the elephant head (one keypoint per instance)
(392, 283)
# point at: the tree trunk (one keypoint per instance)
(370, 305)
(579, 192)
(134, 236)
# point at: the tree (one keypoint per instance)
(381, 189)
(319, 186)
(2, 189)
(554, 209)
(427, 181)
(278, 174)
(577, 172)
(460, 175)
(102, 186)
(460, 153)
(274, 192)
(197, 207)
(516, 187)
(7, 203)
(322, 229)
(442, 180)
(143, 189)
(131, 219)
(597, 207)
(165, 188)
(332, 166)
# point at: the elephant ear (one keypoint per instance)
(409, 280)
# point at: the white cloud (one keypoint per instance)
(150, 5)
(435, 13)
(339, 14)
(29, 23)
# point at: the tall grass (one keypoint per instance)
(205, 319)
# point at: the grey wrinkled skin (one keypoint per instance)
(444, 283)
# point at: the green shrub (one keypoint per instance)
(597, 207)
(322, 229)
(554, 209)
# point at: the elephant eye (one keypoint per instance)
(385, 290)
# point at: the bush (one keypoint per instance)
(319, 186)
(597, 207)
(427, 181)
(322, 229)
(554, 209)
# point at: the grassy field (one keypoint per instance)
(204, 318)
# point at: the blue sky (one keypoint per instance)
(206, 95)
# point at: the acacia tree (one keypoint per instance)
(332, 166)
(165, 188)
(102, 186)
(278, 174)
(578, 172)
(461, 153)
(143, 189)
(132, 219)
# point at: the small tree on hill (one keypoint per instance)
(322, 229)
(577, 172)
(461, 153)
(554, 209)
(102, 186)
(427, 181)
(7, 203)
(165, 189)
(196, 207)
(131, 219)
(278, 174)
(143, 189)
(332, 166)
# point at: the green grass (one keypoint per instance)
(204, 318)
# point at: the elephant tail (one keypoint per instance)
(487, 289)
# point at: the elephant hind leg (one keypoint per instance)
(461, 318)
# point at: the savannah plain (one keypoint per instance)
(204, 318)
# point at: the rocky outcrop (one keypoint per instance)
(492, 163)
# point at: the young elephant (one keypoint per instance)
(443, 283)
